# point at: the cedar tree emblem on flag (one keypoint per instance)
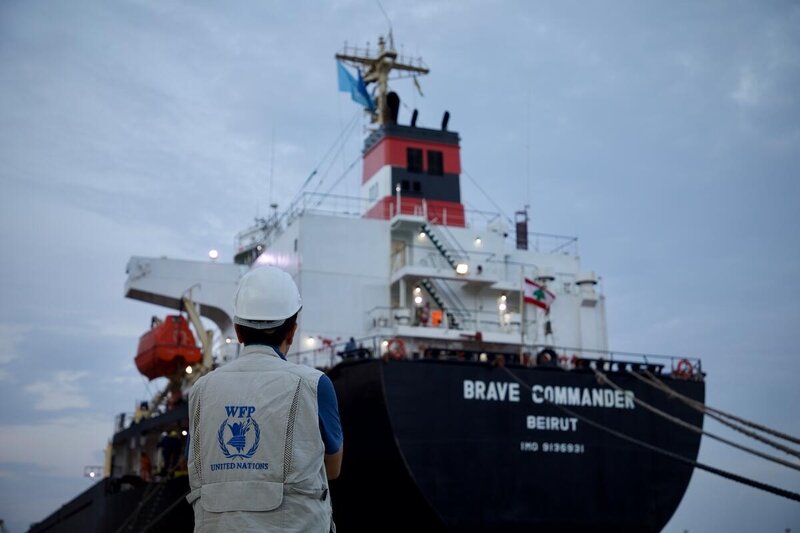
(538, 295)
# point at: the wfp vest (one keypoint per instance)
(256, 461)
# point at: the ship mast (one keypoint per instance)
(377, 66)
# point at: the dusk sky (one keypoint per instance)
(664, 135)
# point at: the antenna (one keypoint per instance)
(271, 162)
(528, 149)
(389, 22)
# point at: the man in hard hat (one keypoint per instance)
(265, 433)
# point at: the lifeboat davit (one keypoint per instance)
(167, 348)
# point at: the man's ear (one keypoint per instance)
(238, 334)
(290, 335)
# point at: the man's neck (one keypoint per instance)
(280, 350)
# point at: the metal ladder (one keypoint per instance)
(430, 288)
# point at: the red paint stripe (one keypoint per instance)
(392, 151)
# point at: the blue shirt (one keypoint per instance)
(330, 426)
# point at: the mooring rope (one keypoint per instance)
(675, 420)
(722, 473)
(710, 411)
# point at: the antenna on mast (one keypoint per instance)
(389, 22)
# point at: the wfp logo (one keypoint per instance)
(239, 432)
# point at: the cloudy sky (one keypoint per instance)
(665, 135)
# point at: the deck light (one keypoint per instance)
(213, 254)
(421, 235)
(418, 300)
(310, 341)
(502, 306)
(417, 290)
(184, 432)
(462, 268)
(503, 297)
(477, 241)
(227, 340)
(484, 357)
(188, 370)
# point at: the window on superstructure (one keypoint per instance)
(415, 186)
(435, 166)
(404, 185)
(414, 159)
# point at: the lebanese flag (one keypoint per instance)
(538, 295)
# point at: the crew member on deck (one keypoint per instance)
(145, 467)
(350, 349)
(142, 412)
(170, 445)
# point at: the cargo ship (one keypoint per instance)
(470, 356)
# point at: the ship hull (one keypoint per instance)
(124, 504)
(424, 450)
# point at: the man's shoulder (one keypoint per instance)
(263, 364)
(305, 371)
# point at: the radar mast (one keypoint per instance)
(377, 65)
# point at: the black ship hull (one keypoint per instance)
(424, 450)
(124, 504)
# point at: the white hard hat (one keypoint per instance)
(265, 298)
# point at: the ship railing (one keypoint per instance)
(507, 274)
(552, 244)
(327, 204)
(125, 419)
(375, 53)
(548, 243)
(421, 256)
(427, 256)
(558, 357)
(356, 206)
(400, 208)
(266, 230)
(122, 421)
(617, 361)
(383, 318)
(329, 354)
(253, 235)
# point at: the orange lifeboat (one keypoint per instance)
(167, 348)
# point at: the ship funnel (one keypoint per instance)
(445, 120)
(392, 108)
(414, 116)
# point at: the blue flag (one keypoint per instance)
(356, 87)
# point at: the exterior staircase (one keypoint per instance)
(438, 243)
(151, 502)
(452, 312)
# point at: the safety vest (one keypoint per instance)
(256, 461)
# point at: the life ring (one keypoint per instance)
(684, 369)
(396, 348)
